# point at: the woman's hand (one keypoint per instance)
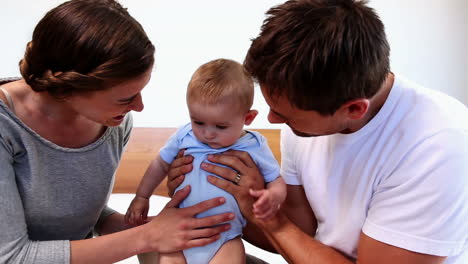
(176, 174)
(175, 229)
(250, 178)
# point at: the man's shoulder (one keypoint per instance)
(428, 111)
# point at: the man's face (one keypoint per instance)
(303, 123)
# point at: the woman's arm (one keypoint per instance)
(171, 230)
(15, 245)
(113, 223)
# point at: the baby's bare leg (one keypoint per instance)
(231, 252)
(172, 258)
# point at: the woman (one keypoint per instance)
(63, 128)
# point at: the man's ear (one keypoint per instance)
(355, 109)
(250, 116)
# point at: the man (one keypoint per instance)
(375, 165)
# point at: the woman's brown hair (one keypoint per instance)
(82, 45)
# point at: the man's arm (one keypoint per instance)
(373, 251)
(297, 208)
(289, 240)
(298, 247)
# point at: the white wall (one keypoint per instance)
(429, 40)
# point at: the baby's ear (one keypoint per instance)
(250, 116)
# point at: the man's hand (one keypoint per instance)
(176, 174)
(250, 177)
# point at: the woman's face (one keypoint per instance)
(109, 107)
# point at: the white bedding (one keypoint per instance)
(120, 203)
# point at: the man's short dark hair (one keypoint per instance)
(320, 54)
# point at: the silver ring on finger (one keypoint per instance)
(237, 179)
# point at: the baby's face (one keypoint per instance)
(218, 125)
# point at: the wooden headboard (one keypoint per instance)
(144, 145)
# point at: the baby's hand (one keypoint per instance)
(137, 211)
(267, 203)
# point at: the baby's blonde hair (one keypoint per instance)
(221, 81)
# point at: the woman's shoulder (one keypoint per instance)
(13, 91)
(5, 86)
(4, 80)
(3, 97)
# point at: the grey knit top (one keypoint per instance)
(49, 194)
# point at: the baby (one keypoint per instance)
(219, 98)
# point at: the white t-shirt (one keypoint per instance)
(402, 179)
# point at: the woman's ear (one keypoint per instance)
(250, 116)
(355, 109)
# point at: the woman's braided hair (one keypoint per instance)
(82, 45)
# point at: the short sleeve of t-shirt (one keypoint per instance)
(288, 164)
(423, 205)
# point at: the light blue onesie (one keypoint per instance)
(253, 143)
